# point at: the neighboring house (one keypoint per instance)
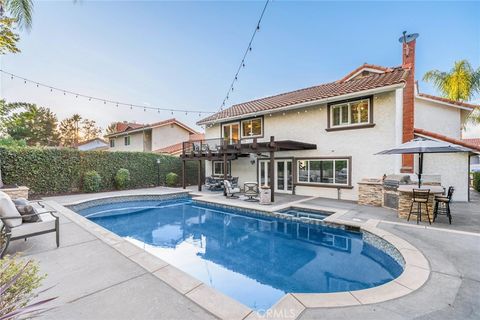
(325, 137)
(149, 137)
(176, 149)
(474, 159)
(93, 144)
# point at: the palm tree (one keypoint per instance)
(461, 83)
(20, 10)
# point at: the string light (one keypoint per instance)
(105, 101)
(242, 63)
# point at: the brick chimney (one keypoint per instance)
(408, 63)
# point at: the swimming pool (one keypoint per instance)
(251, 258)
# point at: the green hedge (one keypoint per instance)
(54, 171)
(476, 181)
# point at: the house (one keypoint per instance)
(323, 139)
(176, 149)
(474, 159)
(156, 137)
(96, 144)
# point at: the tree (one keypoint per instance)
(76, 129)
(461, 83)
(13, 13)
(90, 130)
(70, 130)
(112, 128)
(37, 126)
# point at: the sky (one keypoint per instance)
(183, 55)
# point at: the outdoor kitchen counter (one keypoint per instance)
(405, 200)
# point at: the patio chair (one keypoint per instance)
(442, 205)
(420, 197)
(234, 182)
(251, 191)
(230, 191)
(14, 227)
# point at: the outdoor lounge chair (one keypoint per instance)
(229, 190)
(251, 191)
(14, 227)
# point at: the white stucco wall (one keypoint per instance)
(168, 135)
(136, 143)
(438, 118)
(453, 168)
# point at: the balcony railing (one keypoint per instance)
(214, 146)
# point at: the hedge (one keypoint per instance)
(476, 181)
(49, 171)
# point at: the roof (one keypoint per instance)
(126, 127)
(173, 149)
(387, 77)
(474, 141)
(460, 142)
(445, 100)
(91, 140)
(177, 148)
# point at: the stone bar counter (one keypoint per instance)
(405, 194)
(16, 192)
(375, 192)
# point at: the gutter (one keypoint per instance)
(308, 103)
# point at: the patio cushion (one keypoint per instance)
(26, 212)
(8, 209)
(47, 223)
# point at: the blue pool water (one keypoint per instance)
(253, 260)
(306, 213)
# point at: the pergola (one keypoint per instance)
(224, 150)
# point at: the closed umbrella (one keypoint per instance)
(420, 146)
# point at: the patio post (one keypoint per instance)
(224, 170)
(183, 175)
(271, 169)
(199, 175)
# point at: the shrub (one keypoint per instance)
(476, 181)
(171, 179)
(18, 280)
(91, 181)
(122, 178)
(50, 171)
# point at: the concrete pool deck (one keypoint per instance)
(113, 286)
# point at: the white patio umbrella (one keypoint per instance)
(420, 146)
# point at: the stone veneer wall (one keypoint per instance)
(370, 193)
(15, 193)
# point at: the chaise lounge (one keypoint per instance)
(23, 221)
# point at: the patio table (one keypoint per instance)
(405, 193)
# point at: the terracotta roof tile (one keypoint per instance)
(458, 103)
(389, 77)
(448, 139)
(474, 141)
(173, 149)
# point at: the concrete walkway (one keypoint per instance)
(94, 281)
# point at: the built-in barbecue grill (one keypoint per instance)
(390, 186)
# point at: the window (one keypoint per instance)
(218, 168)
(112, 143)
(350, 113)
(231, 132)
(127, 140)
(252, 128)
(323, 171)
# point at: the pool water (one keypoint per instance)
(253, 260)
(306, 213)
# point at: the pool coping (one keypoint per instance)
(415, 274)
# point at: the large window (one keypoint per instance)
(252, 128)
(126, 140)
(350, 113)
(323, 171)
(218, 168)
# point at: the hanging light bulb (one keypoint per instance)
(37, 85)
(24, 81)
(11, 77)
(51, 89)
(104, 102)
(130, 107)
(158, 110)
(89, 99)
(76, 96)
(144, 109)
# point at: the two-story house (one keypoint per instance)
(322, 140)
(161, 137)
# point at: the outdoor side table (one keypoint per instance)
(265, 195)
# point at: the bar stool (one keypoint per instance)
(420, 196)
(442, 205)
